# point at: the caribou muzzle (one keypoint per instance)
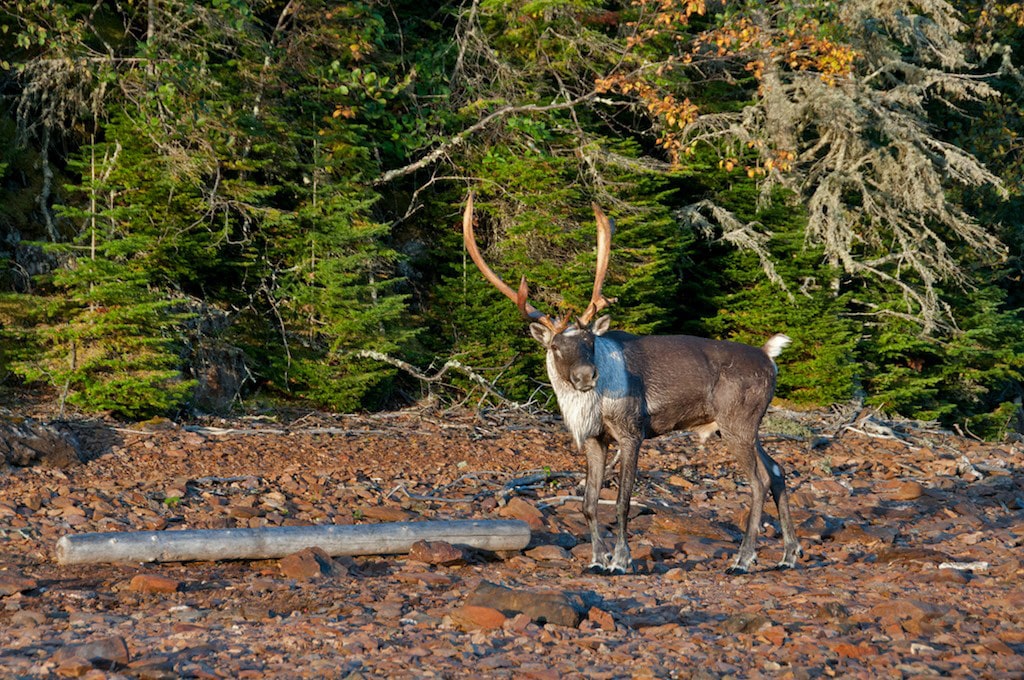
(583, 377)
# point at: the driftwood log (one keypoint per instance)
(275, 542)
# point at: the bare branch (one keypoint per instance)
(452, 364)
(461, 137)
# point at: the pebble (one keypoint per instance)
(309, 564)
(153, 583)
(473, 617)
(436, 552)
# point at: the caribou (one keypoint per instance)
(614, 386)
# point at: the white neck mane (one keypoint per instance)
(582, 411)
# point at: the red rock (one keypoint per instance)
(907, 609)
(521, 509)
(994, 644)
(11, 583)
(675, 574)
(244, 512)
(385, 513)
(538, 672)
(867, 535)
(102, 653)
(428, 578)
(817, 527)
(898, 489)
(905, 555)
(555, 607)
(681, 482)
(153, 583)
(473, 617)
(666, 623)
(519, 622)
(745, 622)
(828, 487)
(549, 553)
(833, 610)
(602, 618)
(948, 576)
(691, 526)
(27, 618)
(309, 564)
(1012, 637)
(847, 650)
(661, 631)
(73, 667)
(775, 635)
(436, 552)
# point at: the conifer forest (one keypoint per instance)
(215, 204)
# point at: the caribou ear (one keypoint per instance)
(541, 333)
(601, 325)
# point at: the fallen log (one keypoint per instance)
(274, 542)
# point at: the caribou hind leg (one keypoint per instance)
(764, 475)
(777, 481)
(745, 451)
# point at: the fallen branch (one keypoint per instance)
(535, 481)
(448, 365)
(876, 435)
(274, 542)
(553, 501)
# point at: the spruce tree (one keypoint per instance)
(111, 338)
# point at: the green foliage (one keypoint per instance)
(335, 298)
(971, 377)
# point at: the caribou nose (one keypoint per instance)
(584, 378)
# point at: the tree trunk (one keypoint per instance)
(24, 442)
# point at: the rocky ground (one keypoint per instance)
(912, 567)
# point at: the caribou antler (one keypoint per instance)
(598, 301)
(519, 297)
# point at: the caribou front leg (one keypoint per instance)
(622, 561)
(596, 452)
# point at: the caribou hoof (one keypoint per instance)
(739, 567)
(609, 570)
(599, 564)
(606, 571)
(790, 559)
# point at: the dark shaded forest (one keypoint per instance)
(207, 205)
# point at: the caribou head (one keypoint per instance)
(570, 345)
